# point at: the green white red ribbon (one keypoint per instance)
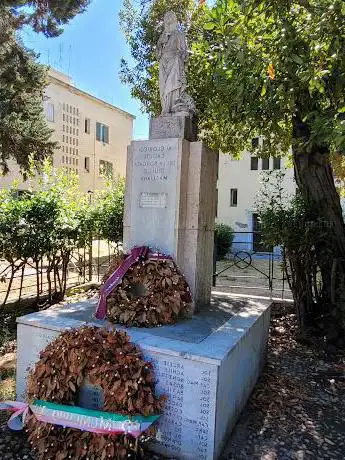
(76, 417)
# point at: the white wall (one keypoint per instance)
(237, 174)
(61, 92)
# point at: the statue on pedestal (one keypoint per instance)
(172, 54)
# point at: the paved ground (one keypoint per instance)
(297, 410)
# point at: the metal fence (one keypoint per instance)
(252, 268)
(32, 280)
(249, 268)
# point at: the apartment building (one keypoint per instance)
(92, 134)
(239, 183)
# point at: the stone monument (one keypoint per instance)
(207, 365)
(171, 178)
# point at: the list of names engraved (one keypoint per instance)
(187, 426)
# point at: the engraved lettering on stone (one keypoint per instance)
(153, 200)
(188, 419)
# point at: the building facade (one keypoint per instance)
(92, 134)
(239, 183)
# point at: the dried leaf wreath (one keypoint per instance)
(152, 293)
(109, 360)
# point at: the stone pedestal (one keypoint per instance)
(171, 126)
(170, 205)
(207, 366)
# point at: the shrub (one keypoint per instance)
(44, 227)
(107, 214)
(224, 236)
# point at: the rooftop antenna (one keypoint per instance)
(60, 56)
(69, 59)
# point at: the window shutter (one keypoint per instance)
(98, 131)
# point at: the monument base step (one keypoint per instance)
(207, 366)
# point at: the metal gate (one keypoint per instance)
(251, 268)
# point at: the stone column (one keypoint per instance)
(170, 201)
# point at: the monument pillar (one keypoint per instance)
(170, 201)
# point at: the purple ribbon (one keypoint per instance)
(137, 254)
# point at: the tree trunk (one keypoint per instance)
(315, 181)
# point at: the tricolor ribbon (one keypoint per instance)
(137, 254)
(78, 418)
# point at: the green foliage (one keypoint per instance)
(290, 223)
(48, 224)
(224, 236)
(107, 214)
(254, 67)
(23, 128)
(45, 16)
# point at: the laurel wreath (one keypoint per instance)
(152, 293)
(107, 359)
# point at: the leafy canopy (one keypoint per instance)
(23, 128)
(256, 67)
(47, 16)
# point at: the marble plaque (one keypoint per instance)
(153, 200)
(187, 427)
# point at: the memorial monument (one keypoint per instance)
(206, 365)
(171, 178)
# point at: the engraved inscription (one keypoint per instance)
(153, 200)
(155, 163)
(187, 426)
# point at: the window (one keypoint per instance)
(49, 112)
(276, 163)
(254, 163)
(102, 133)
(87, 125)
(87, 164)
(265, 164)
(105, 168)
(63, 159)
(233, 197)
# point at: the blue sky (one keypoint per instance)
(89, 51)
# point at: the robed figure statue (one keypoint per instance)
(172, 54)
